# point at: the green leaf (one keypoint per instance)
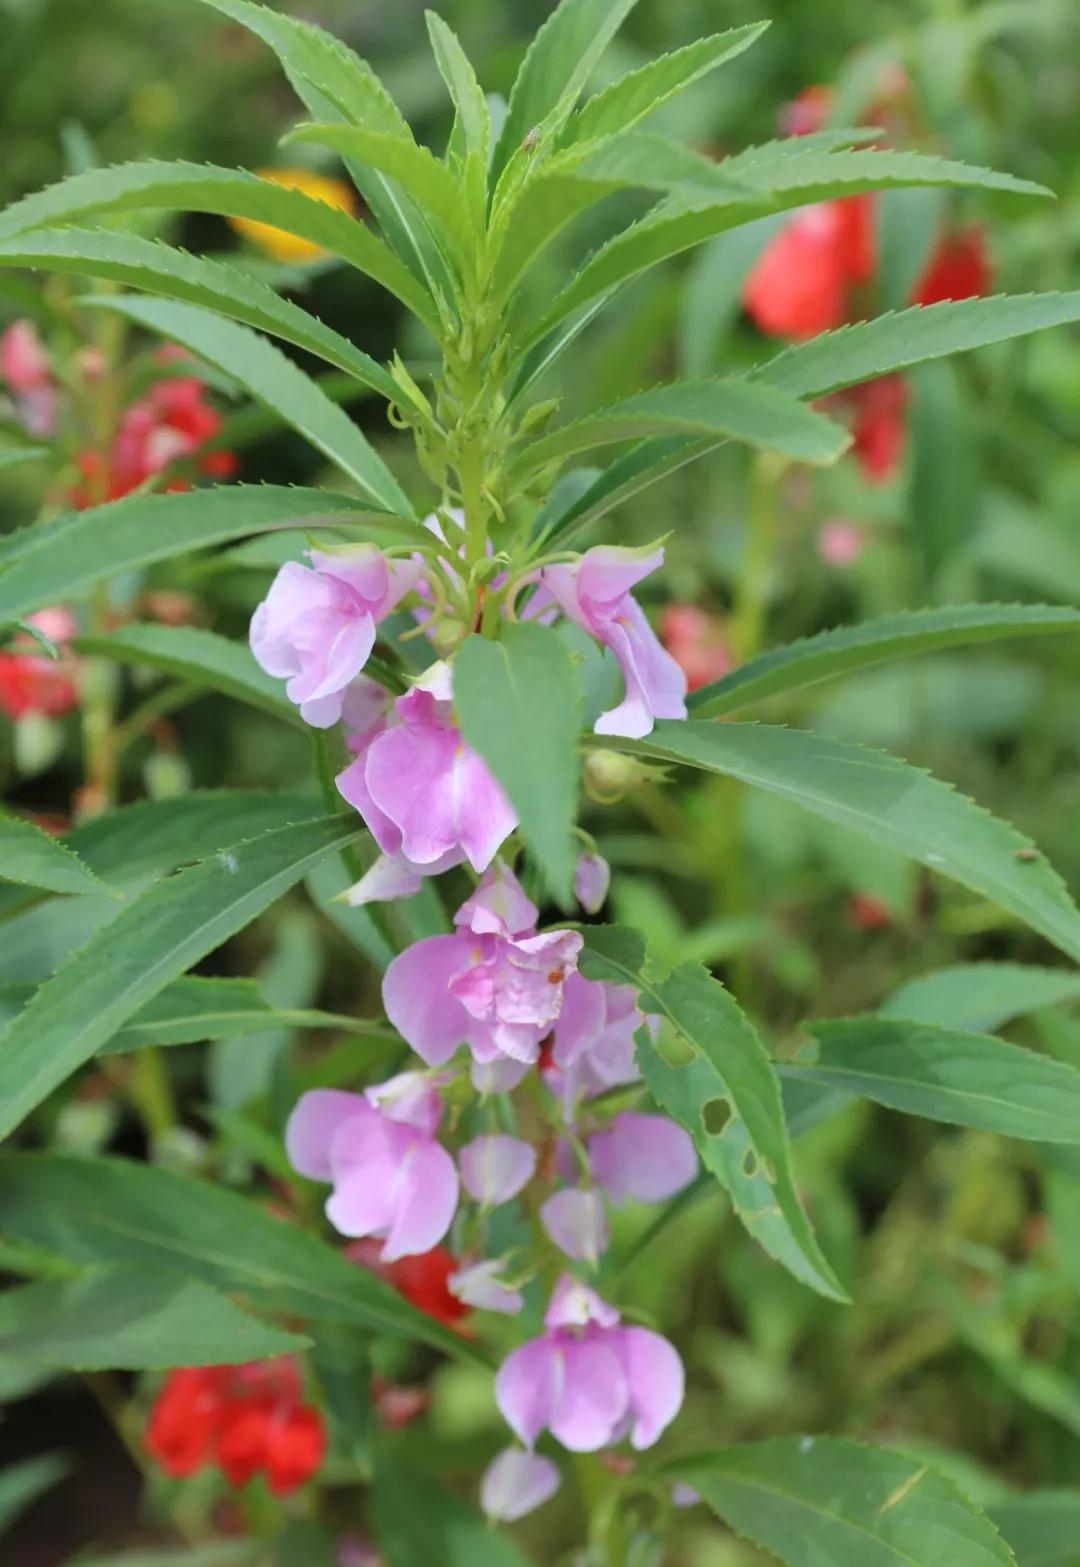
(641, 92)
(644, 464)
(797, 178)
(559, 62)
(192, 1010)
(22, 1484)
(101, 1212)
(1043, 1527)
(230, 193)
(24, 454)
(222, 1553)
(830, 653)
(271, 378)
(890, 801)
(726, 1095)
(946, 1075)
(821, 1501)
(445, 1530)
(911, 337)
(518, 702)
(133, 1319)
(202, 657)
(155, 939)
(981, 996)
(714, 408)
(336, 84)
(213, 285)
(48, 562)
(428, 183)
(471, 136)
(34, 859)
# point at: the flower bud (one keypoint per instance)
(610, 774)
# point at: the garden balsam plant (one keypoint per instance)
(465, 661)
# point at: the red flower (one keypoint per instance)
(866, 912)
(423, 1279)
(803, 281)
(697, 642)
(32, 682)
(959, 268)
(246, 1419)
(880, 425)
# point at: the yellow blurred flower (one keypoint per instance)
(279, 243)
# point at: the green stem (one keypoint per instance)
(752, 594)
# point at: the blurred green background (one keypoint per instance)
(963, 1338)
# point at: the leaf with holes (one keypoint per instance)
(723, 1091)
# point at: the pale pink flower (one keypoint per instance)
(516, 1483)
(495, 1168)
(840, 543)
(642, 1156)
(575, 1220)
(592, 878)
(478, 1285)
(26, 368)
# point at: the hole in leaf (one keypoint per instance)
(675, 1049)
(751, 1164)
(715, 1116)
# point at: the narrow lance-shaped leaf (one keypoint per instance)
(822, 1501)
(99, 1212)
(556, 67)
(518, 701)
(213, 285)
(21, 1484)
(134, 1319)
(195, 187)
(792, 180)
(642, 92)
(887, 799)
(470, 138)
(202, 657)
(981, 996)
(644, 464)
(838, 652)
(158, 936)
(271, 378)
(946, 1075)
(706, 407)
(1041, 1526)
(335, 83)
(34, 859)
(726, 1095)
(911, 337)
(63, 559)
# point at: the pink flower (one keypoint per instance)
(839, 543)
(575, 1220)
(428, 799)
(26, 368)
(594, 592)
(516, 1483)
(594, 1041)
(642, 1156)
(494, 1168)
(479, 1285)
(698, 643)
(391, 1179)
(592, 878)
(316, 627)
(494, 988)
(589, 1380)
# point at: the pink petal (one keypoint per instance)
(577, 1223)
(499, 1076)
(592, 878)
(425, 1197)
(416, 995)
(498, 907)
(494, 1168)
(593, 1397)
(390, 877)
(608, 571)
(314, 1123)
(642, 1156)
(656, 1380)
(411, 1098)
(525, 1388)
(480, 1286)
(574, 1305)
(516, 1483)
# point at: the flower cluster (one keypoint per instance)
(246, 1419)
(816, 274)
(498, 1000)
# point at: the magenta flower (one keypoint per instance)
(480, 1286)
(493, 988)
(594, 592)
(516, 1483)
(316, 626)
(642, 1156)
(426, 797)
(575, 1220)
(494, 1168)
(391, 1179)
(589, 1380)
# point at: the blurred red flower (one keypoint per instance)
(245, 1419)
(31, 681)
(697, 641)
